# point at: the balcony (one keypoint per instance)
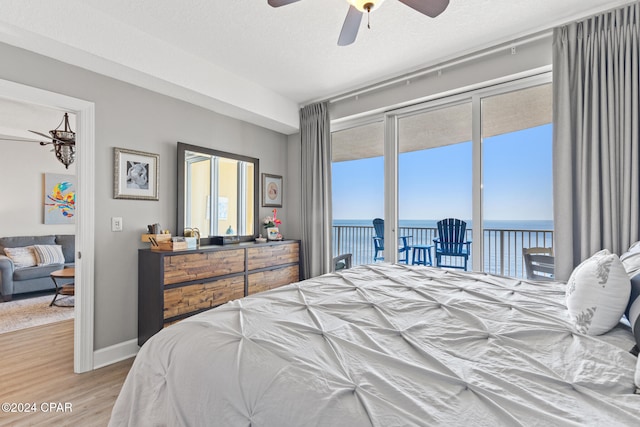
(502, 247)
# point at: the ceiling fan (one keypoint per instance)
(63, 141)
(431, 8)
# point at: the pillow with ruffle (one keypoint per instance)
(22, 257)
(631, 259)
(597, 293)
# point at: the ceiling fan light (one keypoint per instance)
(66, 153)
(361, 4)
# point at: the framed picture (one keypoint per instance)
(271, 190)
(135, 175)
(59, 198)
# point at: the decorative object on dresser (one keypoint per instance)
(271, 190)
(271, 224)
(175, 285)
(135, 174)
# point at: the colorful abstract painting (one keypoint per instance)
(59, 198)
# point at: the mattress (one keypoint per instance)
(385, 345)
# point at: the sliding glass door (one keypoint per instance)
(434, 171)
(357, 189)
(483, 157)
(517, 177)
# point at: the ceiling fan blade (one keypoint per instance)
(350, 27)
(51, 138)
(431, 8)
(41, 134)
(278, 3)
(19, 140)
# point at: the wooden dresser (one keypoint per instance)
(175, 285)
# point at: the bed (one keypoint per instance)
(385, 345)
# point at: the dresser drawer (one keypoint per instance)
(205, 265)
(268, 256)
(270, 279)
(190, 298)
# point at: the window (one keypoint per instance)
(434, 170)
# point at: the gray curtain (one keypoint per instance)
(595, 141)
(315, 138)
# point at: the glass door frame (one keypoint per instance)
(391, 152)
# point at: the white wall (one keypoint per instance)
(130, 117)
(22, 169)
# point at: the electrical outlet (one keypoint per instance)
(116, 223)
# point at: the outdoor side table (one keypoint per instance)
(421, 255)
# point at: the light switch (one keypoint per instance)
(116, 223)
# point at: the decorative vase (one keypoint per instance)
(272, 233)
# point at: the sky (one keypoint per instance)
(437, 183)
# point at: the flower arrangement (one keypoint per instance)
(272, 221)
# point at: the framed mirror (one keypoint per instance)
(217, 194)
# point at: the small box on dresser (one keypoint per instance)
(175, 285)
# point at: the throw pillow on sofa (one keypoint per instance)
(48, 254)
(597, 293)
(21, 257)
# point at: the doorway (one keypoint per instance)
(84, 230)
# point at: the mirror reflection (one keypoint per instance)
(218, 193)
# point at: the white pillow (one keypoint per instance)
(49, 254)
(597, 293)
(22, 257)
(631, 262)
(631, 259)
(635, 247)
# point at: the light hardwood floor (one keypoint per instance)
(36, 367)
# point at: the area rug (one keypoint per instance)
(29, 312)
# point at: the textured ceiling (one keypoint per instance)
(254, 57)
(292, 49)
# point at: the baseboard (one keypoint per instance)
(115, 353)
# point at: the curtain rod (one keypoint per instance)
(439, 67)
(465, 58)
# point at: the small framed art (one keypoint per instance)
(271, 190)
(135, 175)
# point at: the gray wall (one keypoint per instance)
(130, 117)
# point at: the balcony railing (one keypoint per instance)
(502, 250)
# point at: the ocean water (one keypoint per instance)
(503, 240)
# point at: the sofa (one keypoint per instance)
(20, 280)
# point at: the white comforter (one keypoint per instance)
(385, 345)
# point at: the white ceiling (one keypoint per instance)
(248, 60)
